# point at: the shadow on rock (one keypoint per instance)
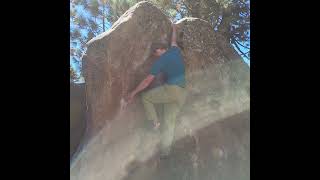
(219, 151)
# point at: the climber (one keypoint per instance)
(171, 94)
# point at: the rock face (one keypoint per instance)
(119, 58)
(218, 151)
(218, 84)
(77, 116)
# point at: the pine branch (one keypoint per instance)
(238, 48)
(241, 44)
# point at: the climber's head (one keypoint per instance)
(159, 48)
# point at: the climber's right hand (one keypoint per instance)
(174, 26)
(130, 98)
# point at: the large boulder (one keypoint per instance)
(78, 121)
(218, 83)
(118, 59)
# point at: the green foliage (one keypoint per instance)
(231, 18)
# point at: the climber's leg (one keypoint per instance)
(171, 111)
(155, 96)
(168, 126)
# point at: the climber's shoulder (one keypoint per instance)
(175, 48)
(174, 45)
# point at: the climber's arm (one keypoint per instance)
(174, 35)
(143, 84)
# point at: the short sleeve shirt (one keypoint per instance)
(172, 65)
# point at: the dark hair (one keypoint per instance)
(158, 45)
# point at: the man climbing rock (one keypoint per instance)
(171, 94)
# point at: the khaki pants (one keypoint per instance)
(172, 97)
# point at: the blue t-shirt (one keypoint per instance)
(171, 64)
